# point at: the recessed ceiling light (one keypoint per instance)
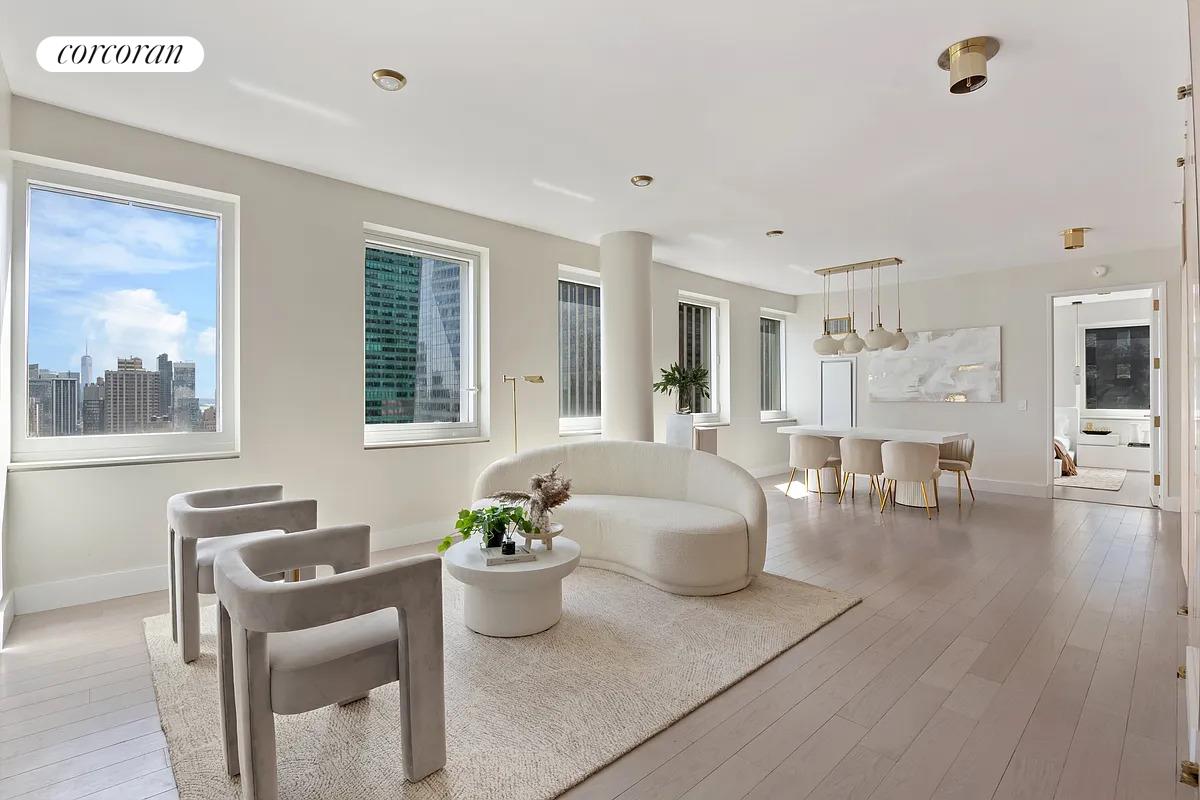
(966, 61)
(642, 181)
(389, 80)
(773, 234)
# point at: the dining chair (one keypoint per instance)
(910, 462)
(958, 457)
(289, 648)
(200, 525)
(860, 457)
(811, 452)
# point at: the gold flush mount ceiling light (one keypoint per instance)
(1073, 238)
(773, 234)
(389, 80)
(966, 61)
(642, 181)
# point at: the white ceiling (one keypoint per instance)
(827, 118)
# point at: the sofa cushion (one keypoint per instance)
(688, 548)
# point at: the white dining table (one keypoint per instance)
(907, 494)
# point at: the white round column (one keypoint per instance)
(626, 401)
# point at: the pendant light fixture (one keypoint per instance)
(900, 341)
(852, 342)
(879, 337)
(826, 345)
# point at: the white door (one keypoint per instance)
(838, 403)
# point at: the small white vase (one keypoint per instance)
(680, 430)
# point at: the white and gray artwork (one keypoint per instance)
(958, 365)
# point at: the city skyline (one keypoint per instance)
(110, 279)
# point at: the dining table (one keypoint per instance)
(907, 493)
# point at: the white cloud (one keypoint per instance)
(133, 322)
(206, 342)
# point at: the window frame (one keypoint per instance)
(99, 449)
(715, 414)
(579, 426)
(781, 413)
(471, 428)
(1111, 413)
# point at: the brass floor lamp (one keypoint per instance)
(514, 379)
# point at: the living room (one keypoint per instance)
(672, 422)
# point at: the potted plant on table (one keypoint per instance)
(685, 383)
(492, 522)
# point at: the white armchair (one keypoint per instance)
(288, 648)
(200, 525)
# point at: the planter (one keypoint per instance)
(680, 430)
(496, 535)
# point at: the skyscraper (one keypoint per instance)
(166, 384)
(412, 338)
(186, 408)
(53, 407)
(130, 398)
(93, 408)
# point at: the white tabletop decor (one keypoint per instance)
(508, 600)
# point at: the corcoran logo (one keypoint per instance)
(120, 54)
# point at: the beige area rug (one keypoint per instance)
(1110, 480)
(526, 718)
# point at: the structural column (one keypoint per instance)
(626, 401)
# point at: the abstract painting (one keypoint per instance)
(958, 365)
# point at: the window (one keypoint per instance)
(419, 340)
(579, 353)
(1117, 368)
(771, 399)
(698, 346)
(123, 347)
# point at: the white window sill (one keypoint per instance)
(775, 420)
(426, 442)
(723, 423)
(565, 434)
(118, 461)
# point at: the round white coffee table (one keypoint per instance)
(512, 599)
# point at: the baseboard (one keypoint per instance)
(1023, 488)
(6, 617)
(766, 472)
(89, 589)
(111, 585)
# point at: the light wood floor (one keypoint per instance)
(1018, 648)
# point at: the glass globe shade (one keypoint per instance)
(901, 341)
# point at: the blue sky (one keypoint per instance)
(124, 280)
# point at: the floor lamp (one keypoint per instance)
(514, 379)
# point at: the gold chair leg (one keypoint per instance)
(883, 494)
(871, 488)
(842, 490)
(959, 474)
(792, 477)
(937, 501)
(853, 481)
(925, 495)
(819, 490)
(969, 486)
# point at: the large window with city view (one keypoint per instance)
(121, 327)
(418, 343)
(579, 353)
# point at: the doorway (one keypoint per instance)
(1106, 350)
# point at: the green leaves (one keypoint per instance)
(470, 520)
(684, 380)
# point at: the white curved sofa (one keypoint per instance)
(684, 521)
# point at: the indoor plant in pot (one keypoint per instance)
(684, 383)
(492, 522)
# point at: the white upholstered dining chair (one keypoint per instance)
(860, 457)
(201, 525)
(810, 453)
(958, 457)
(909, 462)
(288, 648)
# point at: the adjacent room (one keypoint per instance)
(601, 401)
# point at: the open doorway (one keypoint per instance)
(1106, 395)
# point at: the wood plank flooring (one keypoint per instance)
(1016, 648)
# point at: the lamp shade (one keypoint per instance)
(826, 345)
(853, 343)
(879, 337)
(901, 341)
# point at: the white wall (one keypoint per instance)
(301, 325)
(1011, 445)
(6, 608)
